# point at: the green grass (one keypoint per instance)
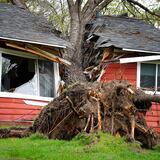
(83, 147)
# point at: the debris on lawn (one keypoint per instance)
(114, 107)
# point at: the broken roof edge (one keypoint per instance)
(128, 49)
(33, 42)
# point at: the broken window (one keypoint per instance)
(150, 76)
(27, 76)
(18, 74)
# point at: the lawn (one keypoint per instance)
(83, 147)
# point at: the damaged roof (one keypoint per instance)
(21, 25)
(124, 32)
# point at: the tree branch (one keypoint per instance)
(143, 7)
(78, 5)
(70, 6)
(129, 10)
(102, 4)
(92, 7)
(86, 6)
(19, 3)
(47, 4)
(78, 2)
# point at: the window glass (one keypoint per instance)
(46, 80)
(147, 78)
(18, 75)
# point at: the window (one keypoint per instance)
(18, 75)
(150, 76)
(30, 76)
(46, 78)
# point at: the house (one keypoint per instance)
(30, 54)
(123, 48)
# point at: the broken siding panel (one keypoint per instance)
(16, 112)
(116, 71)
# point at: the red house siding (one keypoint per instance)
(116, 71)
(17, 112)
(153, 117)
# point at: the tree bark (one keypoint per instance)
(19, 3)
(80, 16)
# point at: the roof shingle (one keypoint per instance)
(125, 32)
(21, 25)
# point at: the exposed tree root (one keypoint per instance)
(110, 107)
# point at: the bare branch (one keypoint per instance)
(129, 10)
(86, 6)
(70, 6)
(102, 4)
(143, 7)
(78, 2)
(78, 5)
(46, 3)
(19, 3)
(92, 7)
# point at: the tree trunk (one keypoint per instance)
(75, 72)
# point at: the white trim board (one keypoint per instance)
(139, 59)
(33, 42)
(136, 50)
(57, 79)
(34, 103)
(23, 96)
(138, 74)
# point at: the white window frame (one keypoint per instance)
(139, 76)
(56, 76)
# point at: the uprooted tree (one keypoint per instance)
(115, 107)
